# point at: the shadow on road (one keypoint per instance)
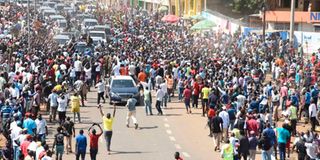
(126, 152)
(172, 114)
(154, 127)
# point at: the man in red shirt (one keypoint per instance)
(94, 140)
(252, 125)
(187, 97)
(195, 94)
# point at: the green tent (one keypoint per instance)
(163, 8)
(204, 25)
(198, 17)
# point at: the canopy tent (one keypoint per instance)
(204, 25)
(170, 18)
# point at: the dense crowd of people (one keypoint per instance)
(252, 92)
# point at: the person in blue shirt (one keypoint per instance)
(314, 93)
(271, 136)
(29, 124)
(307, 102)
(81, 145)
(254, 105)
(283, 136)
(6, 113)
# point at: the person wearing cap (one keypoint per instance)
(253, 142)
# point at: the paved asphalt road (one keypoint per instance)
(157, 137)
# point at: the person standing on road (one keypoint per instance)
(205, 91)
(62, 107)
(75, 106)
(94, 137)
(225, 118)
(147, 101)
(244, 145)
(131, 105)
(293, 116)
(68, 125)
(164, 88)
(53, 100)
(253, 142)
(58, 143)
(42, 129)
(265, 144)
(107, 121)
(159, 96)
(187, 98)
(101, 89)
(283, 136)
(313, 114)
(217, 128)
(81, 145)
(227, 151)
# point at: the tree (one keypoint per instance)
(247, 6)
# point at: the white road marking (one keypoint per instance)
(172, 138)
(177, 146)
(185, 154)
(167, 125)
(169, 131)
(165, 119)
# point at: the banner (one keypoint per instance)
(309, 40)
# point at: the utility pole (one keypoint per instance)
(293, 2)
(28, 24)
(263, 8)
(205, 5)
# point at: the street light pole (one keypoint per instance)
(28, 24)
(264, 22)
(293, 2)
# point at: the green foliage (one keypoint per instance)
(247, 6)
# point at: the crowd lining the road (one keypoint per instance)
(227, 73)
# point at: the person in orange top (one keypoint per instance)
(142, 76)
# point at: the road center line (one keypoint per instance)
(167, 125)
(172, 138)
(177, 146)
(169, 131)
(185, 154)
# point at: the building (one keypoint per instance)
(307, 15)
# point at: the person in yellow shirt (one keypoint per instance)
(107, 121)
(75, 106)
(205, 96)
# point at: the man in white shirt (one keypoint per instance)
(78, 68)
(101, 89)
(42, 129)
(62, 106)
(116, 70)
(164, 88)
(15, 134)
(313, 114)
(225, 118)
(159, 97)
(312, 149)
